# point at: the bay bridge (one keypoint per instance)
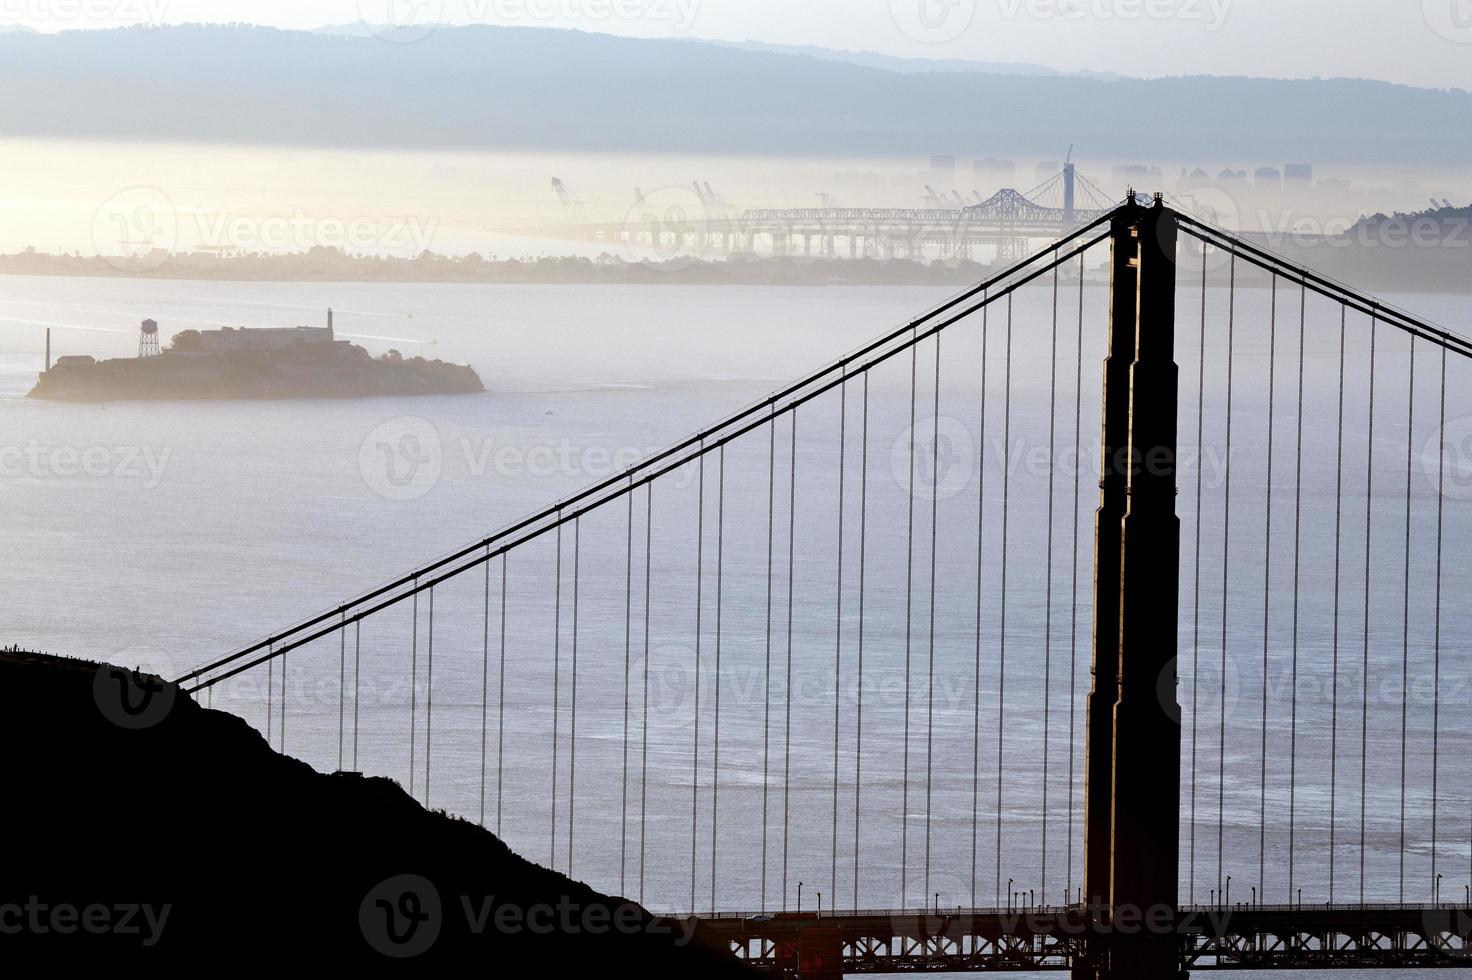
(897, 669)
(696, 222)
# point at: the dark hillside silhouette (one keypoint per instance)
(125, 794)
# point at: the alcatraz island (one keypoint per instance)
(248, 363)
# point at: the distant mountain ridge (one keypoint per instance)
(896, 63)
(525, 88)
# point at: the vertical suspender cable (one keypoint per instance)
(1436, 636)
(270, 687)
(1297, 540)
(357, 673)
(1405, 636)
(644, 711)
(556, 681)
(838, 624)
(767, 657)
(1405, 639)
(501, 701)
(623, 821)
(1196, 563)
(930, 652)
(485, 680)
(429, 697)
(1002, 620)
(787, 719)
(342, 684)
(1221, 786)
(413, 685)
(1334, 658)
(281, 728)
(1078, 409)
(1365, 668)
(572, 734)
(859, 673)
(976, 664)
(1267, 556)
(695, 729)
(909, 607)
(1048, 583)
(715, 766)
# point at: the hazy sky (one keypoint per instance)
(1420, 42)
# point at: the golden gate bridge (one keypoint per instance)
(820, 673)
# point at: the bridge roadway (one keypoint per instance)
(820, 945)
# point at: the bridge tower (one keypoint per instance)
(1132, 777)
(1068, 189)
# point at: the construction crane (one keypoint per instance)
(571, 205)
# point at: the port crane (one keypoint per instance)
(571, 204)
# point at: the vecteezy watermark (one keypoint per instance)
(136, 229)
(404, 458)
(401, 458)
(70, 13)
(401, 21)
(942, 456)
(1446, 459)
(403, 916)
(1211, 14)
(143, 464)
(545, 461)
(934, 457)
(131, 699)
(671, 225)
(933, 21)
(408, 236)
(1452, 19)
(39, 918)
(1426, 230)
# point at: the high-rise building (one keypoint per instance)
(1298, 173)
(943, 169)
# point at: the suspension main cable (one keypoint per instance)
(659, 464)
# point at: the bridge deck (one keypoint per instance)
(1212, 937)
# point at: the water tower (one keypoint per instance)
(148, 339)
